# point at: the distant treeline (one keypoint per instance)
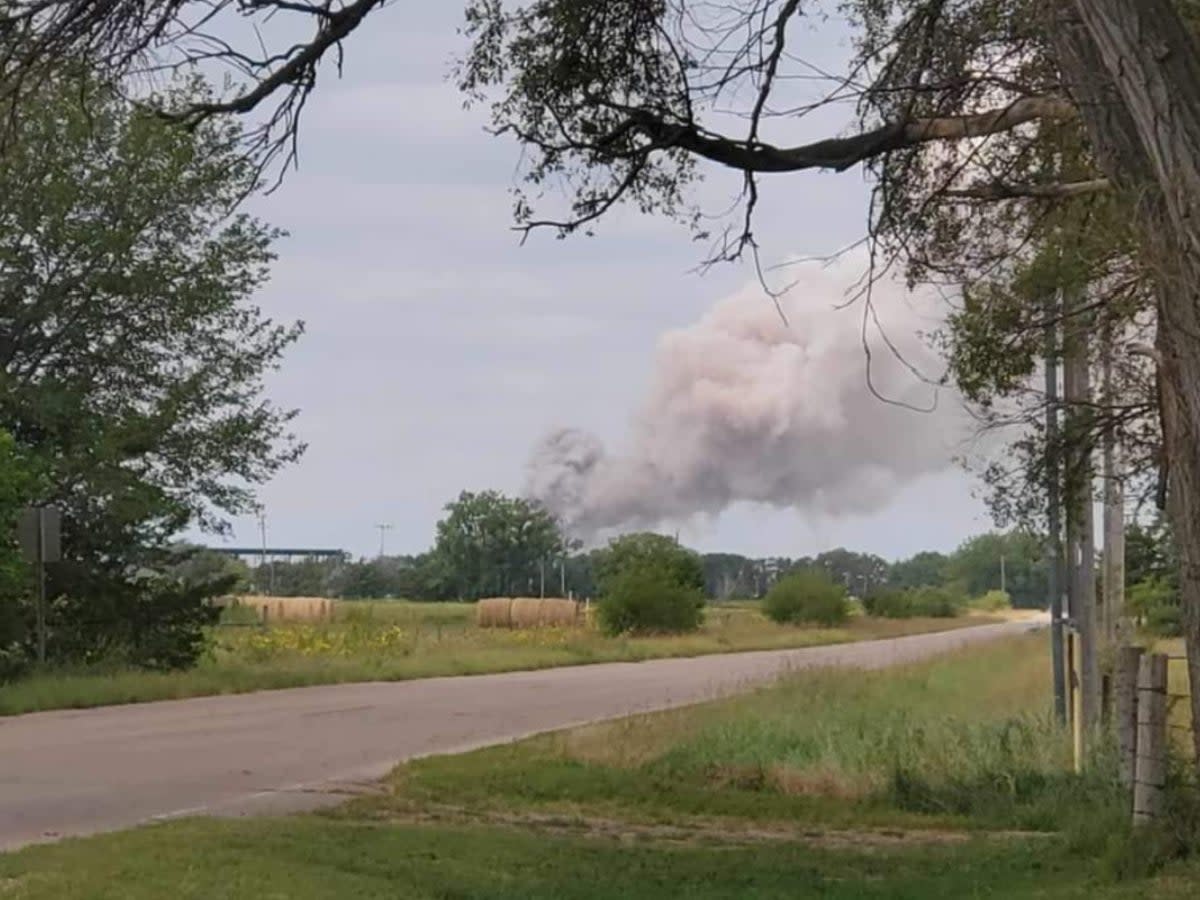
(972, 570)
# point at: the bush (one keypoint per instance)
(652, 552)
(807, 597)
(992, 601)
(924, 602)
(645, 600)
(888, 603)
(146, 620)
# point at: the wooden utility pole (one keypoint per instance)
(1054, 581)
(1081, 542)
(1113, 608)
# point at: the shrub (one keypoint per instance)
(646, 600)
(993, 601)
(147, 620)
(807, 597)
(649, 551)
(923, 602)
(888, 603)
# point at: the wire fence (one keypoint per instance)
(1179, 722)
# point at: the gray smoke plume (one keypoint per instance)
(744, 407)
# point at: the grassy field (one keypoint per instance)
(945, 779)
(392, 641)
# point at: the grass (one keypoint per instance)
(393, 641)
(683, 804)
(300, 859)
(966, 740)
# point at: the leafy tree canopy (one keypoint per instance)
(490, 544)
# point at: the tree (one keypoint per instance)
(16, 486)
(651, 552)
(925, 569)
(196, 566)
(728, 575)
(1150, 553)
(131, 359)
(860, 573)
(982, 562)
(493, 545)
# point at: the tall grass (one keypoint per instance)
(968, 738)
(969, 735)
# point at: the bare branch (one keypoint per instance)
(999, 190)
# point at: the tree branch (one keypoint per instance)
(998, 190)
(842, 153)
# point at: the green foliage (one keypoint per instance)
(923, 569)
(1156, 602)
(194, 566)
(993, 601)
(16, 486)
(646, 599)
(135, 389)
(859, 572)
(648, 551)
(922, 602)
(122, 225)
(148, 621)
(1150, 553)
(976, 565)
(550, 61)
(494, 545)
(807, 597)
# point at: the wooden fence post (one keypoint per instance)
(1150, 773)
(1125, 712)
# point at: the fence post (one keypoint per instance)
(1151, 769)
(1125, 711)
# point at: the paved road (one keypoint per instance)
(78, 772)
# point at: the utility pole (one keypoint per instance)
(262, 529)
(384, 528)
(1114, 507)
(1003, 580)
(1053, 514)
(1081, 541)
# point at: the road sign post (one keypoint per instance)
(39, 532)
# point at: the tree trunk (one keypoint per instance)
(1135, 70)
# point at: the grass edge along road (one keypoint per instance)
(397, 641)
(939, 779)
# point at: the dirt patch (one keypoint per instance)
(699, 831)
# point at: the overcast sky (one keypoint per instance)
(438, 350)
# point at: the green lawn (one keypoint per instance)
(393, 641)
(943, 779)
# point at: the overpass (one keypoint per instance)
(281, 553)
